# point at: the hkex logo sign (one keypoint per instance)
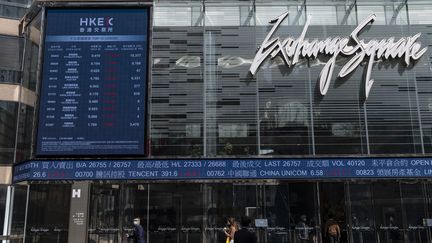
(96, 24)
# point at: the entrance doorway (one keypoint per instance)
(333, 209)
(292, 212)
(281, 211)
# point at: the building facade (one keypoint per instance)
(13, 108)
(331, 120)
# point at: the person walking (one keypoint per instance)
(303, 230)
(138, 233)
(230, 229)
(332, 230)
(244, 235)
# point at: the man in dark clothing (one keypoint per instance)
(138, 233)
(244, 235)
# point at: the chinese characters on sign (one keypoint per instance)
(94, 82)
(224, 169)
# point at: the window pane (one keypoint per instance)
(364, 11)
(32, 36)
(230, 93)
(177, 92)
(104, 210)
(265, 13)
(48, 223)
(8, 118)
(19, 213)
(222, 16)
(172, 16)
(25, 129)
(420, 14)
(322, 15)
(388, 212)
(3, 195)
(362, 216)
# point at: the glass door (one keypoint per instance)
(104, 214)
(226, 200)
(414, 211)
(388, 212)
(218, 207)
(362, 216)
(48, 213)
(247, 201)
(134, 204)
(175, 213)
(428, 221)
(292, 212)
(333, 210)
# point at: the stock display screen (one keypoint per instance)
(94, 81)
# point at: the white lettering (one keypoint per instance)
(76, 193)
(101, 22)
(292, 49)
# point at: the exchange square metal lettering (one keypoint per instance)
(291, 50)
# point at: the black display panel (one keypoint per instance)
(94, 81)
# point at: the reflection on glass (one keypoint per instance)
(415, 211)
(346, 14)
(265, 13)
(31, 50)
(291, 211)
(333, 209)
(25, 129)
(9, 76)
(388, 212)
(104, 213)
(12, 11)
(322, 15)
(229, 93)
(218, 202)
(134, 205)
(175, 213)
(204, 100)
(362, 217)
(8, 118)
(177, 91)
(48, 224)
(420, 14)
(3, 195)
(197, 212)
(222, 16)
(363, 11)
(18, 213)
(172, 16)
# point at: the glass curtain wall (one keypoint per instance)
(13, 9)
(281, 211)
(29, 79)
(48, 213)
(205, 103)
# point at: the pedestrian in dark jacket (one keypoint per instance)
(138, 233)
(244, 235)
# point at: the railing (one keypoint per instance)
(12, 238)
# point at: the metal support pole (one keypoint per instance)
(8, 213)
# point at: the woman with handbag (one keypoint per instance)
(230, 229)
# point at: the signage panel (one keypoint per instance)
(224, 169)
(359, 50)
(78, 223)
(93, 89)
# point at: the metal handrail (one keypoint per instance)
(11, 237)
